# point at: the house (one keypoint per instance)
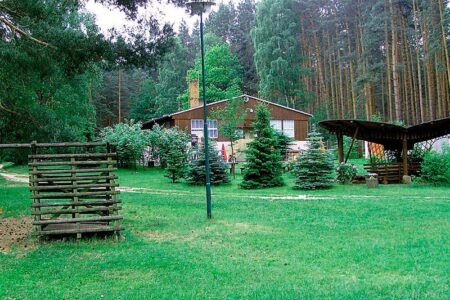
(294, 123)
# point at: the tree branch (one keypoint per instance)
(23, 33)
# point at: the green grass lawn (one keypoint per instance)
(346, 242)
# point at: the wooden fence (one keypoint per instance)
(74, 193)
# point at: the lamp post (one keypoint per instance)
(199, 7)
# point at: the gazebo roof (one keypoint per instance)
(389, 135)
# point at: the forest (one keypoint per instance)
(62, 79)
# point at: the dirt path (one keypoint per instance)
(11, 176)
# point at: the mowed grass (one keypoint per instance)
(346, 242)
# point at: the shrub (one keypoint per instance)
(283, 144)
(263, 168)
(345, 173)
(129, 139)
(218, 167)
(314, 169)
(162, 141)
(436, 167)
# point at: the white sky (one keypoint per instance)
(107, 17)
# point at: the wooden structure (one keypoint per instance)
(74, 192)
(392, 137)
(184, 119)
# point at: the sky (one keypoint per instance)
(107, 17)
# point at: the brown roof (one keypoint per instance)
(387, 134)
(168, 117)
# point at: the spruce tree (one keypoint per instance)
(176, 163)
(263, 168)
(218, 167)
(314, 169)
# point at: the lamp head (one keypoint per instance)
(198, 7)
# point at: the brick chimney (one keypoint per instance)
(194, 93)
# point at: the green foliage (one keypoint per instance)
(53, 56)
(283, 144)
(171, 148)
(219, 168)
(314, 169)
(435, 168)
(263, 168)
(223, 74)
(277, 52)
(230, 119)
(346, 172)
(129, 139)
(145, 107)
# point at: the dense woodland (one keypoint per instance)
(62, 79)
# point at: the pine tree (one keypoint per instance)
(263, 168)
(277, 52)
(176, 163)
(218, 167)
(314, 169)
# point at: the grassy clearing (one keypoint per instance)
(346, 242)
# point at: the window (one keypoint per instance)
(285, 126)
(197, 128)
(213, 131)
(196, 124)
(276, 124)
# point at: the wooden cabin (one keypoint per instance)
(294, 123)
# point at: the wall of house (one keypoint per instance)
(183, 120)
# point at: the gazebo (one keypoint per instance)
(391, 136)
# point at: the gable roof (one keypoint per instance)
(169, 116)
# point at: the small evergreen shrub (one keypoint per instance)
(219, 168)
(264, 167)
(314, 169)
(436, 167)
(177, 155)
(345, 173)
(283, 144)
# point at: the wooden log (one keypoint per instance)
(70, 163)
(76, 220)
(90, 170)
(81, 203)
(75, 155)
(71, 195)
(76, 210)
(96, 229)
(88, 144)
(5, 146)
(74, 186)
(69, 178)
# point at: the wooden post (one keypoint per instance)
(351, 145)
(405, 154)
(340, 140)
(33, 183)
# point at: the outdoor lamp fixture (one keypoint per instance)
(199, 7)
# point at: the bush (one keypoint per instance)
(314, 169)
(345, 173)
(129, 139)
(283, 144)
(263, 168)
(162, 141)
(218, 167)
(436, 167)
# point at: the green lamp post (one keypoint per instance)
(200, 7)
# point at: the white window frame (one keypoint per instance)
(213, 129)
(285, 126)
(277, 125)
(289, 128)
(197, 127)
